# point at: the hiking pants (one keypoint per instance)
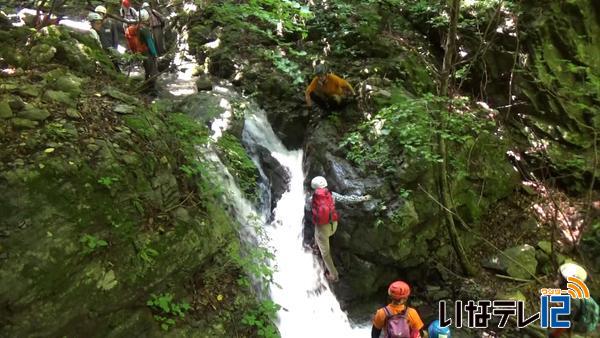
(322, 234)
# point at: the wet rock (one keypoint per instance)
(204, 83)
(21, 123)
(494, 263)
(203, 106)
(34, 114)
(5, 110)
(278, 176)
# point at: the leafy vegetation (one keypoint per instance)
(241, 167)
(168, 310)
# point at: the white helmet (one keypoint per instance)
(573, 270)
(145, 4)
(144, 16)
(318, 182)
(94, 17)
(100, 9)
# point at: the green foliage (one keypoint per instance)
(240, 165)
(287, 66)
(92, 243)
(262, 319)
(263, 17)
(168, 310)
(406, 131)
(107, 181)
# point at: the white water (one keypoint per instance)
(309, 308)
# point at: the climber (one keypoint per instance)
(397, 319)
(128, 13)
(95, 20)
(327, 89)
(325, 217)
(157, 23)
(585, 313)
(436, 331)
(140, 40)
(108, 36)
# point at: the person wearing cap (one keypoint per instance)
(585, 313)
(128, 14)
(95, 21)
(108, 34)
(328, 89)
(324, 217)
(406, 320)
(156, 23)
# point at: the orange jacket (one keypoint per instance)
(332, 86)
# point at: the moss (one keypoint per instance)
(240, 165)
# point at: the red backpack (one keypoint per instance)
(323, 207)
(133, 39)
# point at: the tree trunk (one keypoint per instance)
(442, 170)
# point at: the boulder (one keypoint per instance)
(278, 176)
(525, 255)
(33, 113)
(59, 97)
(20, 123)
(42, 53)
(5, 110)
(204, 83)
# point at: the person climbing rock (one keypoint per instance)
(325, 219)
(108, 35)
(435, 330)
(327, 89)
(585, 313)
(398, 319)
(157, 23)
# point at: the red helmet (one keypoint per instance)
(125, 3)
(399, 289)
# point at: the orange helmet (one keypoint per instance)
(399, 289)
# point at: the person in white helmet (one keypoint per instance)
(585, 313)
(325, 219)
(108, 34)
(157, 24)
(95, 21)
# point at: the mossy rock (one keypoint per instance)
(5, 110)
(33, 113)
(42, 53)
(59, 97)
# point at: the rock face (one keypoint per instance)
(277, 176)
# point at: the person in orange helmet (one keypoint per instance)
(397, 319)
(327, 89)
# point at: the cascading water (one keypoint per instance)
(308, 307)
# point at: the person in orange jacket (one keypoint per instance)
(327, 88)
(397, 317)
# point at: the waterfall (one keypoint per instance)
(308, 306)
